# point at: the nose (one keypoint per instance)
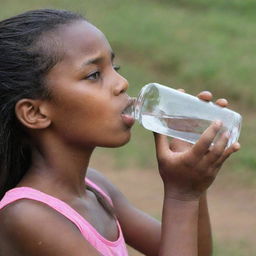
(121, 85)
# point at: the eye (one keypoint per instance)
(93, 76)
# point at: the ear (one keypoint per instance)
(32, 113)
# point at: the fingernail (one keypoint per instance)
(237, 146)
(218, 123)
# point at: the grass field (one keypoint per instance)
(192, 44)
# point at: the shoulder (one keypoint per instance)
(25, 212)
(16, 215)
(32, 228)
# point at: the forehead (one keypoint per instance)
(81, 39)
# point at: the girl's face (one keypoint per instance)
(88, 94)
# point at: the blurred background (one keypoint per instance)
(192, 44)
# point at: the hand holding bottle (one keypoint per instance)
(188, 170)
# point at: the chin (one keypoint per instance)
(118, 142)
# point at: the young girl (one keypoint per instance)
(60, 97)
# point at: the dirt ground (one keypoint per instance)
(232, 203)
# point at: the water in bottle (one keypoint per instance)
(167, 111)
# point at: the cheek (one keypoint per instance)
(88, 117)
(95, 132)
(96, 128)
(82, 118)
(89, 122)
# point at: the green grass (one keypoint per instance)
(197, 45)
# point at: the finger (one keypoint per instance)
(229, 151)
(181, 90)
(203, 144)
(205, 95)
(217, 150)
(222, 102)
(162, 144)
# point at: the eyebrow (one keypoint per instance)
(97, 60)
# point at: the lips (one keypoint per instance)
(127, 114)
(128, 120)
(129, 108)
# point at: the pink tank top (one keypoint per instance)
(104, 246)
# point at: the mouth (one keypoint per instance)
(129, 108)
(127, 114)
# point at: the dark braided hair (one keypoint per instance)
(28, 50)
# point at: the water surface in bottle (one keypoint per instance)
(185, 128)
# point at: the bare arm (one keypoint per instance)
(204, 228)
(179, 227)
(44, 232)
(186, 177)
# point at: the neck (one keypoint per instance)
(58, 170)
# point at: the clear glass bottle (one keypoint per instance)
(176, 114)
